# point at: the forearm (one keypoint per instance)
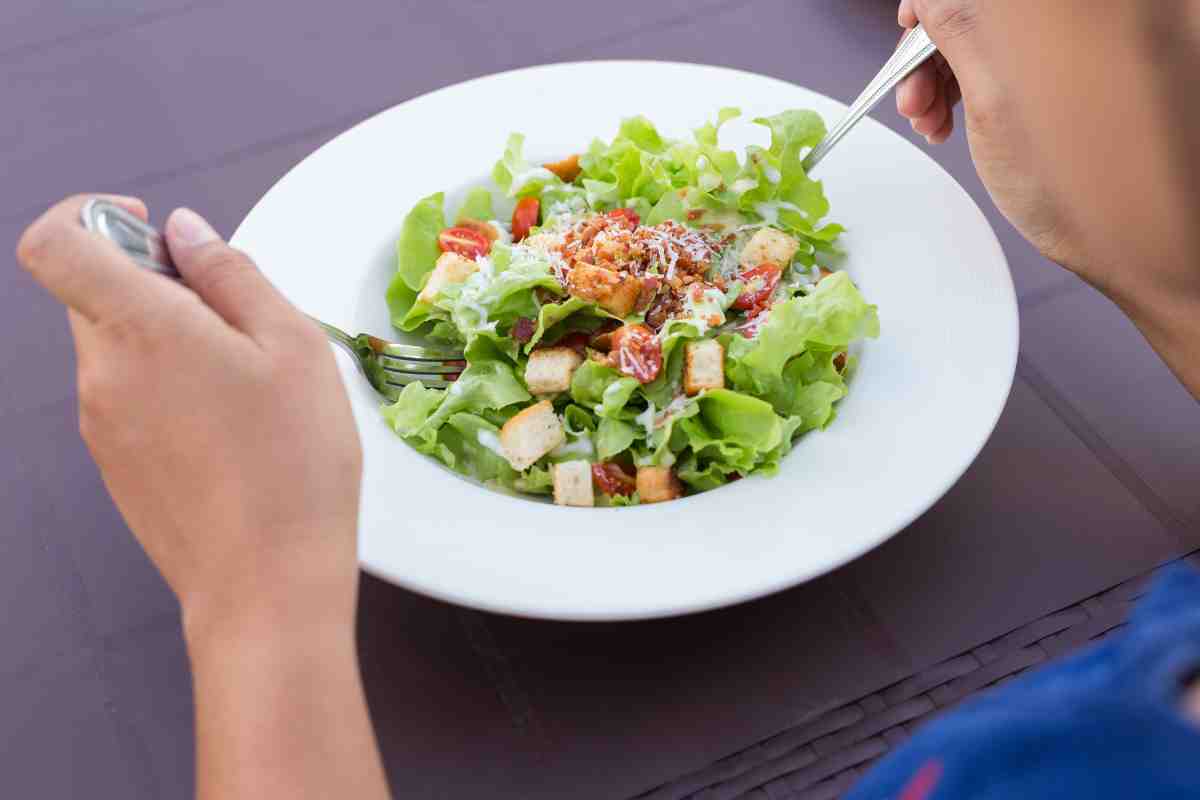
(280, 709)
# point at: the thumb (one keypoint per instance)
(226, 279)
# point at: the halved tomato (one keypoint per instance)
(525, 216)
(758, 285)
(612, 480)
(484, 229)
(627, 216)
(637, 352)
(464, 241)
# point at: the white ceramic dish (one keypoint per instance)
(925, 399)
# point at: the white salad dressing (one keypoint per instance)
(646, 420)
(770, 211)
(711, 304)
(580, 447)
(773, 175)
(528, 176)
(502, 233)
(743, 185)
(490, 441)
(612, 390)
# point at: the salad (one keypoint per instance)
(644, 320)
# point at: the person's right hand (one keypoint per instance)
(1082, 126)
(963, 70)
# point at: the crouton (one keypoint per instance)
(451, 268)
(530, 435)
(658, 484)
(769, 246)
(567, 170)
(703, 367)
(615, 292)
(573, 484)
(550, 369)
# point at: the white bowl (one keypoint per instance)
(926, 396)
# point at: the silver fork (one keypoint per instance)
(915, 49)
(387, 366)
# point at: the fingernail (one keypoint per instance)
(928, 140)
(189, 228)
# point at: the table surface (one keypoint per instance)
(1089, 480)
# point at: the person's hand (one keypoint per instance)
(962, 70)
(217, 417)
(1082, 127)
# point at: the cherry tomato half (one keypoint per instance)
(625, 215)
(758, 285)
(464, 241)
(485, 230)
(525, 216)
(612, 480)
(637, 352)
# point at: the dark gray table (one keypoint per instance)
(1090, 479)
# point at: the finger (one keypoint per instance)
(84, 270)
(907, 16)
(932, 120)
(917, 93)
(226, 279)
(943, 133)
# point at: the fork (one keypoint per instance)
(387, 366)
(915, 49)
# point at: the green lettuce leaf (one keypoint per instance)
(416, 253)
(477, 205)
(602, 388)
(612, 437)
(516, 176)
(830, 318)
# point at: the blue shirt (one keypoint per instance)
(1105, 724)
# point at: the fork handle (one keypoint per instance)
(140, 241)
(147, 248)
(914, 49)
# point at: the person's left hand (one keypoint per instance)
(218, 419)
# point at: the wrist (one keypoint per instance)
(309, 601)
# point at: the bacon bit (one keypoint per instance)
(650, 287)
(824, 274)
(661, 311)
(567, 170)
(523, 329)
(695, 214)
(839, 362)
(577, 341)
(602, 336)
(612, 480)
(637, 353)
(626, 217)
(451, 376)
(733, 476)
